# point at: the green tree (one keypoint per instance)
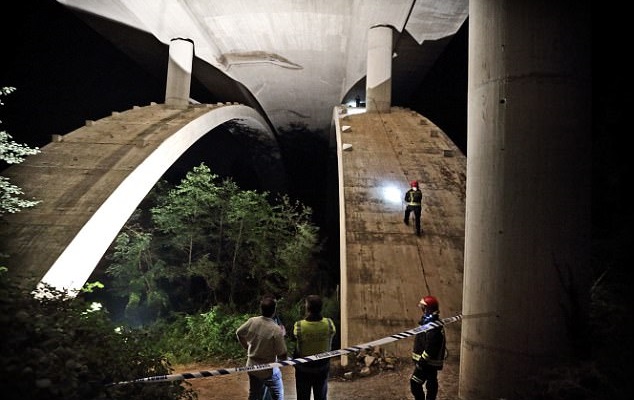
(190, 220)
(12, 153)
(297, 244)
(137, 274)
(211, 243)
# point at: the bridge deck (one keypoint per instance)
(387, 267)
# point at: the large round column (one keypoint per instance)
(528, 217)
(179, 73)
(378, 91)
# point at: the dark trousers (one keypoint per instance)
(313, 380)
(424, 375)
(417, 211)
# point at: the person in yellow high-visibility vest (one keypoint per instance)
(413, 203)
(313, 335)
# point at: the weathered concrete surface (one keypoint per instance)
(298, 59)
(90, 181)
(73, 176)
(387, 267)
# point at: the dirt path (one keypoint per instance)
(386, 385)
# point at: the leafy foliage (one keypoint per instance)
(200, 337)
(12, 153)
(208, 243)
(55, 347)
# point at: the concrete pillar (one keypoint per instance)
(378, 91)
(528, 198)
(179, 73)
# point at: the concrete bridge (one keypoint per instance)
(527, 219)
(92, 179)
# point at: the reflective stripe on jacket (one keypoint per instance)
(428, 359)
(429, 345)
(413, 197)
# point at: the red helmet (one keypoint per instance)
(413, 183)
(429, 302)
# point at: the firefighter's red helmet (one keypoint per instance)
(413, 183)
(430, 302)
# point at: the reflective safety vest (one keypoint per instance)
(314, 337)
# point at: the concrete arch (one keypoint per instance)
(95, 177)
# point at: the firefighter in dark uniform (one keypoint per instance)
(428, 353)
(413, 203)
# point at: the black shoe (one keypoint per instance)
(417, 233)
(406, 222)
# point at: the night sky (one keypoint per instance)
(64, 73)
